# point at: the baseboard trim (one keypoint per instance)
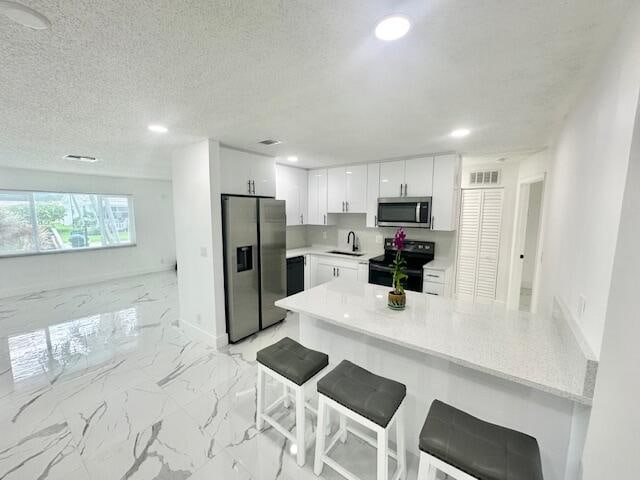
(197, 333)
(89, 279)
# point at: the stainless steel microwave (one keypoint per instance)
(404, 212)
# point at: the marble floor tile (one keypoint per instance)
(171, 448)
(99, 382)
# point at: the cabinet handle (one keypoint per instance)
(249, 184)
(347, 204)
(324, 216)
(405, 189)
(401, 190)
(343, 206)
(253, 182)
(433, 220)
(334, 271)
(338, 270)
(301, 219)
(375, 220)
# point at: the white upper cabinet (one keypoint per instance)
(418, 177)
(244, 173)
(392, 179)
(373, 192)
(347, 189)
(291, 186)
(407, 178)
(446, 192)
(317, 185)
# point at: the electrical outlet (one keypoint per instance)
(582, 305)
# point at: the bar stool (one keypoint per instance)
(374, 402)
(292, 365)
(468, 448)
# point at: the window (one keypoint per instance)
(42, 222)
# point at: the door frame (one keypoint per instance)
(518, 239)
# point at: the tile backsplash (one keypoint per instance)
(370, 239)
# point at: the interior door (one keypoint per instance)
(240, 230)
(356, 185)
(489, 244)
(468, 233)
(418, 177)
(391, 179)
(273, 261)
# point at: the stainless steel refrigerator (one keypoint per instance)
(255, 265)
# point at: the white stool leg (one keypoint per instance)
(327, 421)
(401, 453)
(425, 470)
(300, 426)
(343, 428)
(285, 392)
(320, 434)
(383, 454)
(260, 399)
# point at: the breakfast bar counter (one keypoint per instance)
(511, 368)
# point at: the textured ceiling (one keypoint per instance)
(308, 72)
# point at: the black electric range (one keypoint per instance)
(415, 252)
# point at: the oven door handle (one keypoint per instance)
(383, 268)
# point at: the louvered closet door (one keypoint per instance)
(489, 244)
(469, 230)
(479, 244)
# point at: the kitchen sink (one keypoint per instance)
(349, 254)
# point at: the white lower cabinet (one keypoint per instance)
(436, 282)
(325, 269)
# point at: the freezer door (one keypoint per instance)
(273, 245)
(240, 229)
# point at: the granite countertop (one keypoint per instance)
(439, 263)
(324, 250)
(511, 345)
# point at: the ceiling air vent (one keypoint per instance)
(81, 158)
(484, 177)
(270, 141)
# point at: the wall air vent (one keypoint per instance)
(81, 158)
(270, 141)
(485, 177)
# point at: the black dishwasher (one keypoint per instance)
(295, 275)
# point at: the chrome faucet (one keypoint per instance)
(354, 247)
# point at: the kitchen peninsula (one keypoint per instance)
(507, 367)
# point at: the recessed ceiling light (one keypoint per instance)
(460, 132)
(393, 27)
(292, 159)
(158, 128)
(81, 158)
(24, 15)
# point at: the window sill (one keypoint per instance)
(68, 250)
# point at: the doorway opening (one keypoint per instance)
(532, 195)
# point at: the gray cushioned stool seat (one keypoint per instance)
(481, 449)
(293, 361)
(373, 397)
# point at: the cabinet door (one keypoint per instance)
(301, 182)
(348, 273)
(363, 273)
(391, 179)
(418, 177)
(445, 192)
(317, 196)
(336, 190)
(234, 172)
(263, 173)
(287, 190)
(373, 192)
(356, 181)
(324, 272)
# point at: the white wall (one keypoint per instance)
(198, 232)
(611, 449)
(155, 249)
(586, 183)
